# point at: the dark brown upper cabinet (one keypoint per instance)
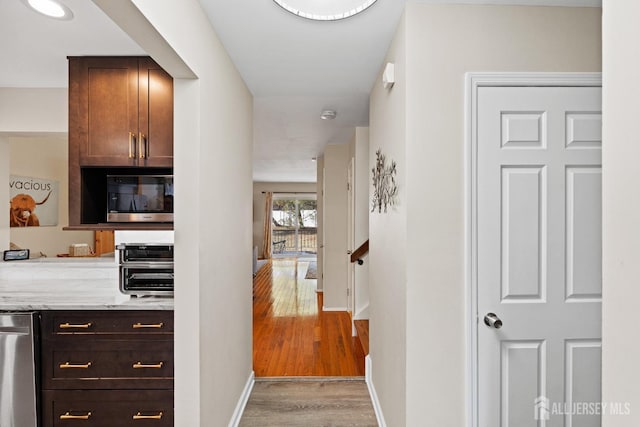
(120, 122)
(120, 112)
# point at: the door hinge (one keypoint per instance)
(348, 292)
(348, 186)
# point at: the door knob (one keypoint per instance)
(492, 321)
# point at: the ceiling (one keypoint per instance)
(294, 67)
(34, 48)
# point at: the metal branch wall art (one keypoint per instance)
(385, 189)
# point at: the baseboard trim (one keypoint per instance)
(307, 379)
(242, 402)
(334, 308)
(363, 313)
(372, 392)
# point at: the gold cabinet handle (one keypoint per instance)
(131, 146)
(69, 365)
(148, 325)
(68, 416)
(140, 365)
(139, 416)
(141, 145)
(77, 326)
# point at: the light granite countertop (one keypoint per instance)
(68, 284)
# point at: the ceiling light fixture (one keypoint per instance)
(328, 114)
(327, 10)
(50, 8)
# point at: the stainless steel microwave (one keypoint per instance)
(139, 198)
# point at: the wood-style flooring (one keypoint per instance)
(309, 404)
(292, 336)
(362, 328)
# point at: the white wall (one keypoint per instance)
(46, 157)
(443, 42)
(388, 242)
(362, 207)
(259, 202)
(39, 110)
(362, 184)
(320, 198)
(621, 204)
(213, 150)
(4, 193)
(336, 158)
(189, 340)
(33, 129)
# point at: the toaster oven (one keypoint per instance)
(146, 269)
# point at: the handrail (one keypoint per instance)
(361, 251)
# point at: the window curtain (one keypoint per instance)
(267, 247)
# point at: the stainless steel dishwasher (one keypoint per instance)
(18, 401)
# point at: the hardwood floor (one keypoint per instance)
(292, 336)
(309, 404)
(362, 328)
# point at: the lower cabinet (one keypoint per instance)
(107, 368)
(108, 408)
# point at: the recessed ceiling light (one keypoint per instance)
(326, 10)
(50, 8)
(328, 114)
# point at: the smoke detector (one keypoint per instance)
(328, 114)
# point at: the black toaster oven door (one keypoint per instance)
(151, 253)
(146, 279)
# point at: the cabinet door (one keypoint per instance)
(155, 137)
(103, 110)
(104, 242)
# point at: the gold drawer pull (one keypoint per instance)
(139, 416)
(152, 325)
(68, 416)
(140, 365)
(68, 365)
(71, 326)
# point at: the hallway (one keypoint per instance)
(292, 336)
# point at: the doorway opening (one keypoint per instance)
(294, 225)
(292, 335)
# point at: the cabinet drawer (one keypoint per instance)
(110, 364)
(134, 323)
(111, 408)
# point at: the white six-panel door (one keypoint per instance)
(539, 254)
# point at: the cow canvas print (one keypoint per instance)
(33, 203)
